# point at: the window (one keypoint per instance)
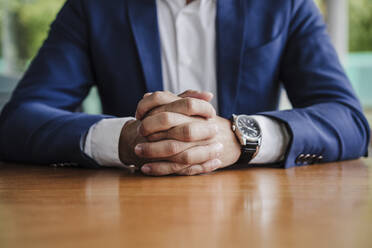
(24, 25)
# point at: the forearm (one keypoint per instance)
(34, 132)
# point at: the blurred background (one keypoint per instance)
(24, 25)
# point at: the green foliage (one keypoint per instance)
(34, 21)
(360, 25)
(34, 18)
(321, 5)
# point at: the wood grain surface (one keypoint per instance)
(328, 205)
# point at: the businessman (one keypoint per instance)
(187, 87)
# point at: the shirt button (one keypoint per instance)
(187, 61)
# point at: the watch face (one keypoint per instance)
(248, 127)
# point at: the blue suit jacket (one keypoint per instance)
(114, 44)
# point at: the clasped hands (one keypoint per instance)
(178, 135)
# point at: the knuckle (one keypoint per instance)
(172, 148)
(158, 171)
(140, 106)
(213, 129)
(209, 108)
(154, 137)
(140, 103)
(145, 128)
(190, 105)
(146, 151)
(157, 95)
(186, 158)
(212, 153)
(165, 119)
(176, 167)
(188, 171)
(217, 151)
(188, 133)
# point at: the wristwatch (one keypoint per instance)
(248, 132)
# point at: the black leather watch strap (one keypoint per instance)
(248, 152)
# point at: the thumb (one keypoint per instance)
(206, 96)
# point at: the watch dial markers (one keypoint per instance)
(248, 126)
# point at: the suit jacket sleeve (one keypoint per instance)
(327, 118)
(39, 125)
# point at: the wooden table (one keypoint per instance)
(326, 205)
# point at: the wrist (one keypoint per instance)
(232, 150)
(236, 144)
(127, 142)
(249, 135)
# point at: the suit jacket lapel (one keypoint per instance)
(144, 22)
(230, 32)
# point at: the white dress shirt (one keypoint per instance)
(188, 50)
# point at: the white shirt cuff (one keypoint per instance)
(102, 141)
(275, 140)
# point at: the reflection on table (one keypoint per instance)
(315, 206)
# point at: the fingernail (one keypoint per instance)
(146, 169)
(215, 127)
(214, 164)
(139, 128)
(138, 149)
(219, 147)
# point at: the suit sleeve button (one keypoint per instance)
(320, 159)
(314, 159)
(299, 159)
(307, 158)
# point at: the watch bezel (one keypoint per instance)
(241, 136)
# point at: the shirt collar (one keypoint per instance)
(183, 2)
